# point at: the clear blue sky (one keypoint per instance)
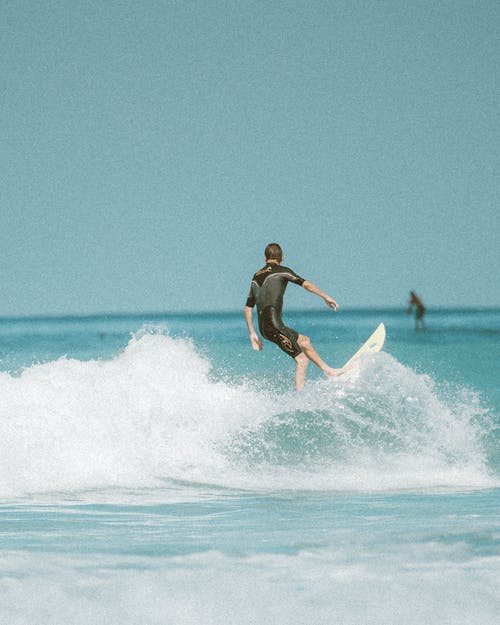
(150, 150)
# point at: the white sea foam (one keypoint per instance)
(155, 413)
(411, 586)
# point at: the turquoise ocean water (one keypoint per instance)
(155, 470)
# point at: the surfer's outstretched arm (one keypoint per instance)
(254, 339)
(312, 288)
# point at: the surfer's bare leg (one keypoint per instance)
(308, 349)
(302, 362)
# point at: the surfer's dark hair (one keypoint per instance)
(273, 252)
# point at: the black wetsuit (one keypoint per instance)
(267, 290)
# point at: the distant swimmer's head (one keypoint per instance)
(273, 252)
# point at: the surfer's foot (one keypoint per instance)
(330, 372)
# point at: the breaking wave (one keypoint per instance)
(156, 413)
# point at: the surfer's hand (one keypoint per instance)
(256, 342)
(331, 303)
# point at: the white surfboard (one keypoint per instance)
(373, 344)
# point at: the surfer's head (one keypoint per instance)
(273, 252)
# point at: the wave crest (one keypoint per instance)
(154, 413)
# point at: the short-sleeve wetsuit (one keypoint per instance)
(267, 290)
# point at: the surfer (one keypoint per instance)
(266, 291)
(416, 302)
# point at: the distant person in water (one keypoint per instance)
(416, 303)
(266, 291)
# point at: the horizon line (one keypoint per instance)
(221, 312)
